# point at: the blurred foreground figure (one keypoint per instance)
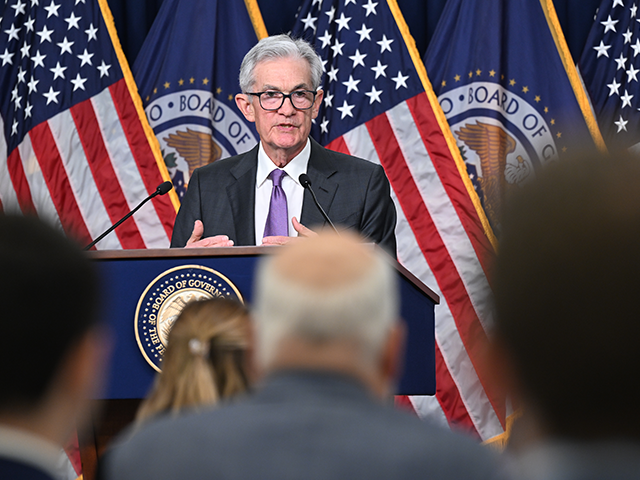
(51, 353)
(328, 340)
(567, 283)
(205, 360)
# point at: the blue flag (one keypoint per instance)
(187, 75)
(510, 91)
(607, 66)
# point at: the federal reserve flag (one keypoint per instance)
(187, 74)
(75, 148)
(608, 68)
(511, 93)
(379, 105)
(509, 88)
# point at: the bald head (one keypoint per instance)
(326, 290)
(326, 263)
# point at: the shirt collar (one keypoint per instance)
(27, 447)
(294, 168)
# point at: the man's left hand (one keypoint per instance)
(298, 227)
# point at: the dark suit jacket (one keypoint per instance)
(300, 425)
(14, 470)
(355, 194)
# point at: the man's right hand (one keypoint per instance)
(196, 240)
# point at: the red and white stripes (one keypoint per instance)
(85, 168)
(440, 240)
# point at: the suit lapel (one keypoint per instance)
(242, 195)
(320, 170)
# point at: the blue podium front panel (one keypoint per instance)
(127, 277)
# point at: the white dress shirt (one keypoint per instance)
(290, 184)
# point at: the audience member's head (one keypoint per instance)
(566, 287)
(205, 359)
(51, 353)
(329, 303)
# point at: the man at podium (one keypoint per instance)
(259, 197)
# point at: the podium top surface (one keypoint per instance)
(237, 252)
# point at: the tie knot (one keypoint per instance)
(276, 176)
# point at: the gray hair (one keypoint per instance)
(362, 311)
(280, 46)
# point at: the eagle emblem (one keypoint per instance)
(197, 148)
(492, 144)
(164, 299)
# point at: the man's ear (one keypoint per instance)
(498, 362)
(87, 363)
(254, 369)
(246, 107)
(393, 353)
(80, 378)
(317, 103)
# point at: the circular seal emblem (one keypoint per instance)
(504, 137)
(164, 299)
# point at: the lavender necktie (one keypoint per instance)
(278, 218)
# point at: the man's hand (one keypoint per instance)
(196, 240)
(302, 232)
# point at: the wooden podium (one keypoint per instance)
(127, 274)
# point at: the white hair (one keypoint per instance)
(362, 311)
(279, 46)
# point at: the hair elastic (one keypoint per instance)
(198, 347)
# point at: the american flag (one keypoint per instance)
(74, 147)
(379, 105)
(610, 69)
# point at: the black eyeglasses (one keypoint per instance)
(273, 100)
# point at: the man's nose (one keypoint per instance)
(287, 107)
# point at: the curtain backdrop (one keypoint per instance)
(134, 18)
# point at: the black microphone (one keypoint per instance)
(305, 181)
(163, 188)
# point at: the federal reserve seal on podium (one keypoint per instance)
(166, 296)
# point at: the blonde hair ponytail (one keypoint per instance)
(205, 358)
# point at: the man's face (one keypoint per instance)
(283, 132)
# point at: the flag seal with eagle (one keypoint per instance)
(510, 92)
(187, 74)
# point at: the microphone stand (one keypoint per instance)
(161, 190)
(305, 181)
